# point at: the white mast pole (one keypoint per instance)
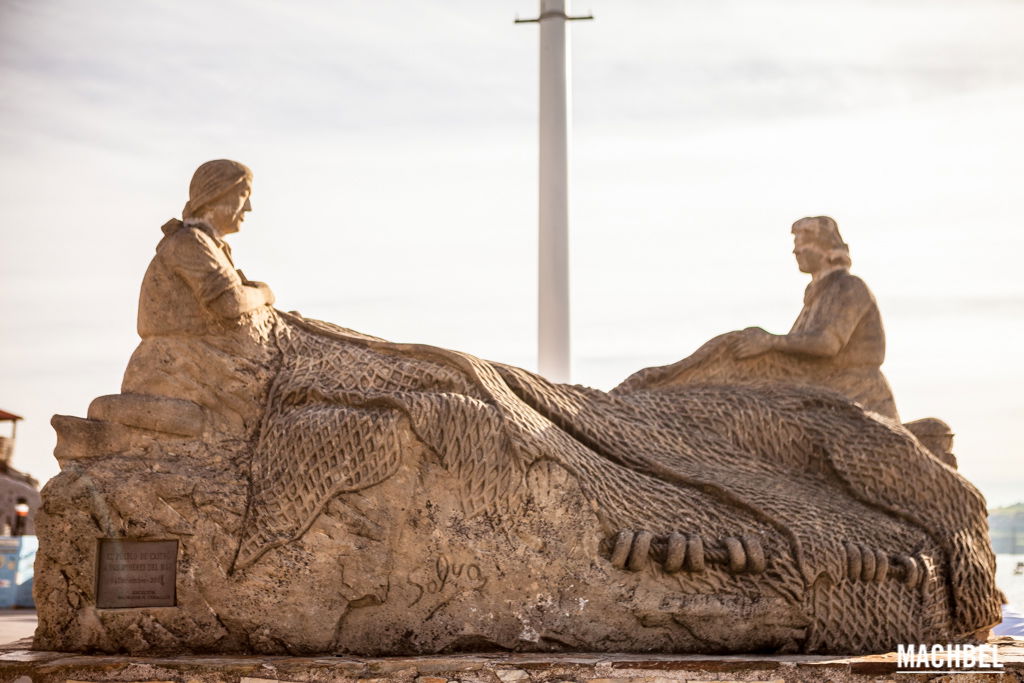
(553, 192)
(553, 195)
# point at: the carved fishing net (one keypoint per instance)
(822, 482)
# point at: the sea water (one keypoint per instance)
(1012, 584)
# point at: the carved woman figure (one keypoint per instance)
(204, 327)
(836, 342)
(839, 324)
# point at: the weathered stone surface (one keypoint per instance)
(79, 438)
(168, 415)
(28, 655)
(512, 675)
(351, 495)
(548, 668)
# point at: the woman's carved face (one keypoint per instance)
(228, 213)
(810, 257)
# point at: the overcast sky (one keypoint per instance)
(394, 149)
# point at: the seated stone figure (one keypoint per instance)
(204, 327)
(402, 498)
(837, 340)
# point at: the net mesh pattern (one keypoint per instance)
(804, 469)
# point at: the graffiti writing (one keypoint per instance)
(445, 574)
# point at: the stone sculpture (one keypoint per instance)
(311, 489)
(836, 342)
(205, 328)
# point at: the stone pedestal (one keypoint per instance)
(22, 666)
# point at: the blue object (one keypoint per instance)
(1012, 624)
(17, 557)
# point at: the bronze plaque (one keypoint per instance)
(136, 573)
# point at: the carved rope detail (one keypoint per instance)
(632, 550)
(867, 564)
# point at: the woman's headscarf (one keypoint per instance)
(210, 182)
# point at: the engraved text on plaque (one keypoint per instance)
(135, 573)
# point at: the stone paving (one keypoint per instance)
(18, 664)
(16, 624)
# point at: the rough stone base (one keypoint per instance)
(28, 666)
